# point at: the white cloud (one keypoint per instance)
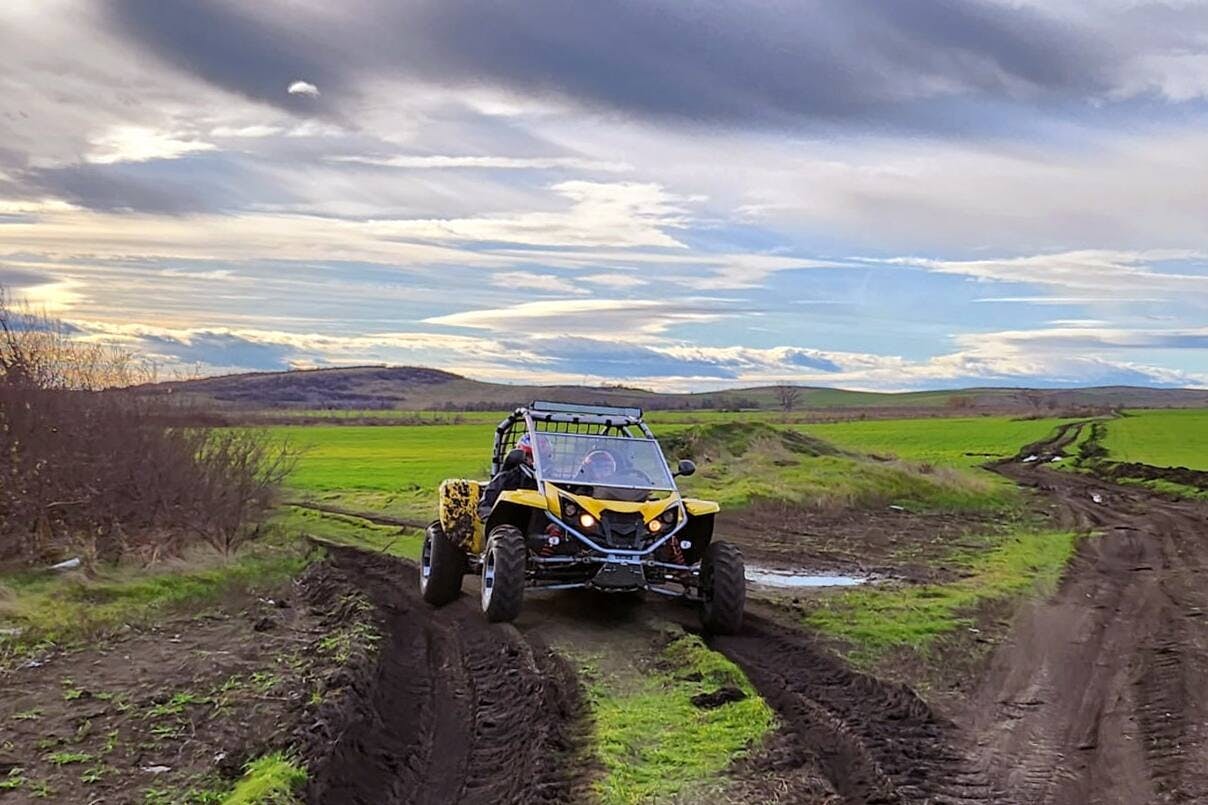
(620, 214)
(141, 144)
(510, 163)
(617, 279)
(303, 88)
(618, 319)
(253, 131)
(1087, 275)
(524, 281)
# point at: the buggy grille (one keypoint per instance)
(622, 530)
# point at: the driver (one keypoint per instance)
(598, 466)
(519, 476)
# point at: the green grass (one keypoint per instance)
(57, 609)
(387, 458)
(347, 530)
(1177, 438)
(881, 617)
(396, 469)
(655, 743)
(742, 462)
(272, 780)
(959, 442)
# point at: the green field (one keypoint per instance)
(963, 442)
(1172, 438)
(396, 469)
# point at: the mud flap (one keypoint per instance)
(458, 514)
(615, 576)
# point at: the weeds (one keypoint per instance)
(271, 780)
(13, 780)
(68, 758)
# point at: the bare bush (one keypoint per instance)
(104, 473)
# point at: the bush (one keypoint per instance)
(104, 474)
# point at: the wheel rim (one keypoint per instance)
(425, 562)
(488, 577)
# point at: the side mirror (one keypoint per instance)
(514, 459)
(686, 468)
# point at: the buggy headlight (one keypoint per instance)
(655, 526)
(587, 521)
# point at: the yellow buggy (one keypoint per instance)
(581, 497)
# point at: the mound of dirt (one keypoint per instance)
(735, 439)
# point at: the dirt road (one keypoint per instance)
(1101, 696)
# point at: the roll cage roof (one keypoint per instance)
(570, 418)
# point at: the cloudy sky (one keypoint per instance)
(883, 194)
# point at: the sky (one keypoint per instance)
(673, 194)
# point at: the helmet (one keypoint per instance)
(543, 444)
(598, 464)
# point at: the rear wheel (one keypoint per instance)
(441, 567)
(723, 588)
(503, 574)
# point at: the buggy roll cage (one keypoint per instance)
(566, 418)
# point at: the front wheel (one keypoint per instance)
(503, 574)
(723, 588)
(441, 567)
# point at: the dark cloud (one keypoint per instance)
(16, 278)
(192, 184)
(228, 46)
(219, 349)
(777, 63)
(810, 360)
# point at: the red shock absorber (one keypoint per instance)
(553, 540)
(677, 553)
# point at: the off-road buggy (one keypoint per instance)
(597, 507)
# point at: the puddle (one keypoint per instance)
(768, 577)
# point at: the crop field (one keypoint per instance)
(959, 442)
(1160, 438)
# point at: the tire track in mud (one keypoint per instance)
(1101, 695)
(455, 710)
(875, 742)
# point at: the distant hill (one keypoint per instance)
(418, 389)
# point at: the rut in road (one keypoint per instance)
(455, 711)
(874, 742)
(1101, 695)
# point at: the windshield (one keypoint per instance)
(602, 460)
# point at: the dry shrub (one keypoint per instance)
(105, 474)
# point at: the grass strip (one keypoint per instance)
(654, 743)
(878, 618)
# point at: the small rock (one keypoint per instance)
(711, 701)
(897, 508)
(70, 564)
(265, 624)
(1031, 458)
(157, 769)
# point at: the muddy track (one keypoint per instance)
(874, 742)
(455, 710)
(1101, 696)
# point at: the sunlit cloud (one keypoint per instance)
(139, 144)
